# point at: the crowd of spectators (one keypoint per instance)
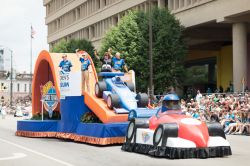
(231, 110)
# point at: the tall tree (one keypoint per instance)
(169, 50)
(130, 37)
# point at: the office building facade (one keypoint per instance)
(217, 32)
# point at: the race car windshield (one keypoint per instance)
(172, 105)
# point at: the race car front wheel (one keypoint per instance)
(158, 135)
(99, 88)
(163, 132)
(130, 131)
(134, 125)
(113, 101)
(215, 129)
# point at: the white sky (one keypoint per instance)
(16, 17)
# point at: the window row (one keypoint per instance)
(179, 4)
(98, 30)
(81, 12)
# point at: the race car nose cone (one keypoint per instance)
(196, 132)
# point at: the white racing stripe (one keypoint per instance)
(14, 156)
(37, 153)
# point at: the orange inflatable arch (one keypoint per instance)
(42, 74)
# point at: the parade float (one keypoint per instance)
(55, 92)
(160, 132)
(171, 134)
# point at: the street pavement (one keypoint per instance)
(21, 151)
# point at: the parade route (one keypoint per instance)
(20, 151)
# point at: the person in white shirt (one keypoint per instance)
(198, 96)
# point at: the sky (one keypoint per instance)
(16, 18)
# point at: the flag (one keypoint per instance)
(32, 33)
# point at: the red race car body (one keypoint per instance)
(189, 128)
(173, 135)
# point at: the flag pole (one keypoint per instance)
(31, 37)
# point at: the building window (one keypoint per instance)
(98, 5)
(18, 87)
(25, 87)
(78, 13)
(116, 19)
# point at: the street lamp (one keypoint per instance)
(151, 86)
(11, 73)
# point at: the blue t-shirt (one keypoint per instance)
(65, 65)
(229, 116)
(85, 64)
(196, 116)
(118, 63)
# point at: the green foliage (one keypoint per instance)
(90, 117)
(169, 50)
(131, 38)
(61, 47)
(70, 46)
(128, 38)
(55, 116)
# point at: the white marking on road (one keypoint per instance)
(37, 153)
(14, 157)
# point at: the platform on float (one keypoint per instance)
(93, 133)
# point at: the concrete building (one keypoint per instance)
(21, 86)
(89, 19)
(217, 31)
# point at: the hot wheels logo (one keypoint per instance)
(145, 137)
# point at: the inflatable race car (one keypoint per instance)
(171, 134)
(120, 95)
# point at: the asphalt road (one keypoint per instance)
(20, 151)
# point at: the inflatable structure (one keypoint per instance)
(173, 135)
(62, 92)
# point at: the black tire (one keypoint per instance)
(133, 125)
(130, 86)
(215, 129)
(142, 99)
(163, 132)
(99, 88)
(113, 101)
(130, 131)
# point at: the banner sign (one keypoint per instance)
(49, 97)
(70, 84)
